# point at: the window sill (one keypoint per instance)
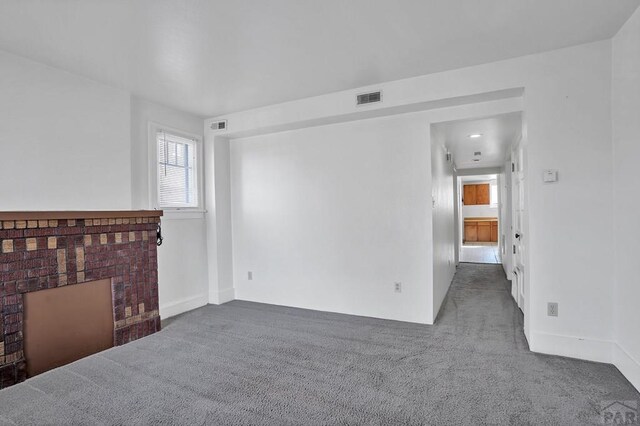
(182, 214)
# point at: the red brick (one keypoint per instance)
(130, 264)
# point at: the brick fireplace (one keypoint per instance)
(46, 250)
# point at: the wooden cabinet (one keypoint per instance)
(469, 195)
(471, 231)
(481, 229)
(484, 231)
(494, 232)
(483, 194)
(476, 194)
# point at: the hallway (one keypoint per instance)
(493, 367)
(480, 253)
(252, 363)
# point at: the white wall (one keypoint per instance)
(479, 211)
(182, 258)
(626, 148)
(567, 106)
(64, 140)
(330, 217)
(219, 237)
(69, 143)
(444, 247)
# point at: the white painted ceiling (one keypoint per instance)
(498, 133)
(214, 57)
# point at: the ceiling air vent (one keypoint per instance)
(368, 98)
(219, 125)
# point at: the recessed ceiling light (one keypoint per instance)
(475, 135)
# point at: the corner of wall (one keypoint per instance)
(222, 296)
(218, 218)
(627, 365)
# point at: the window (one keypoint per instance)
(494, 194)
(177, 170)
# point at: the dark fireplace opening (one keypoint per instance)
(64, 324)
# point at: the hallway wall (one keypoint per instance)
(505, 227)
(442, 194)
(626, 148)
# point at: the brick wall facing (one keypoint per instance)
(43, 254)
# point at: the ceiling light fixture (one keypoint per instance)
(475, 135)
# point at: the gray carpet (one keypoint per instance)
(246, 363)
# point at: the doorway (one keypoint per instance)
(479, 219)
(489, 159)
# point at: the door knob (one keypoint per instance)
(518, 235)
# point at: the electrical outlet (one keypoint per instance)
(552, 309)
(397, 287)
(249, 275)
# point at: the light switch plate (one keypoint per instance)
(550, 176)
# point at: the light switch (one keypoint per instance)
(550, 176)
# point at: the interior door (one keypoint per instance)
(518, 217)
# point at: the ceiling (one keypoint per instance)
(211, 57)
(498, 133)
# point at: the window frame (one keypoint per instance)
(494, 203)
(154, 170)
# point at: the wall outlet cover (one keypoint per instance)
(550, 176)
(397, 287)
(552, 309)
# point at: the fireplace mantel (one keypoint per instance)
(41, 250)
(93, 214)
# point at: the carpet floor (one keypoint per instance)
(247, 363)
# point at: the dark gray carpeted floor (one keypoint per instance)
(248, 363)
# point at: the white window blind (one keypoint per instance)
(177, 185)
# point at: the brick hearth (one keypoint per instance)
(43, 250)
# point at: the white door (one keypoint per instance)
(518, 218)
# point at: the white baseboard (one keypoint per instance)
(222, 296)
(573, 347)
(627, 365)
(171, 309)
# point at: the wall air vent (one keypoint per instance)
(368, 98)
(219, 125)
